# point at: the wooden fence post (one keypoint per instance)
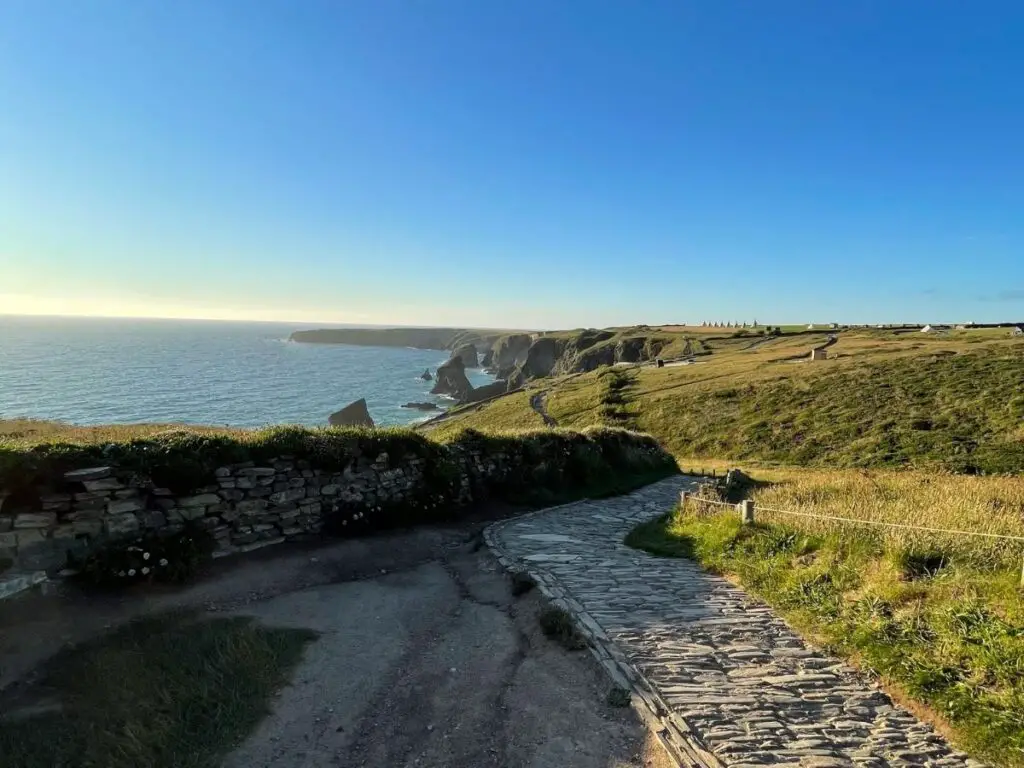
(746, 508)
(684, 497)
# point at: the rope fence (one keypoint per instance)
(746, 509)
(893, 525)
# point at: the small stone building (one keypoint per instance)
(819, 353)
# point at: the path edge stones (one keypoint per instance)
(680, 743)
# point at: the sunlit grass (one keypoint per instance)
(942, 625)
(946, 401)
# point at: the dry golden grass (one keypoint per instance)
(991, 505)
(27, 432)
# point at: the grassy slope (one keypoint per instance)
(171, 691)
(884, 399)
(940, 626)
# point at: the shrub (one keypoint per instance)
(557, 624)
(618, 697)
(169, 558)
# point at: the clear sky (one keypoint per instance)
(530, 163)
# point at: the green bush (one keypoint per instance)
(168, 558)
(557, 624)
(183, 461)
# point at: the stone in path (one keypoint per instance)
(725, 680)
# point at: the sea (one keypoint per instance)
(107, 371)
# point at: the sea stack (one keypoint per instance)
(352, 415)
(452, 381)
(426, 375)
(467, 352)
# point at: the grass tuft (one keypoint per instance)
(521, 583)
(557, 624)
(168, 692)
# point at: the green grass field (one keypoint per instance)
(882, 399)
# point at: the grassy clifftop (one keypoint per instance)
(882, 399)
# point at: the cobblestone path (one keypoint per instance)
(721, 678)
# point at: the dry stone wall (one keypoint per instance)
(248, 506)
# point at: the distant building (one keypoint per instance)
(819, 353)
(810, 326)
(1018, 330)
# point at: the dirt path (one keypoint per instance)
(539, 403)
(424, 660)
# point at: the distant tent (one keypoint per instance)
(1017, 331)
(927, 329)
(810, 326)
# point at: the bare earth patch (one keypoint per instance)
(423, 658)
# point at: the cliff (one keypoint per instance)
(451, 380)
(467, 352)
(567, 352)
(513, 357)
(508, 353)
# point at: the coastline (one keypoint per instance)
(238, 375)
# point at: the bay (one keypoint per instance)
(118, 371)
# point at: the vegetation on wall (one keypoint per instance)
(183, 460)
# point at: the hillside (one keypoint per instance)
(883, 398)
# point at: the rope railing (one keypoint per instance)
(746, 509)
(891, 525)
(702, 500)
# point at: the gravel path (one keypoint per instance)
(728, 682)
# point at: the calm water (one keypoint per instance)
(96, 371)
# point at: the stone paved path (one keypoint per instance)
(724, 681)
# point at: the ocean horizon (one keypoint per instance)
(86, 370)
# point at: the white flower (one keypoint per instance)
(145, 571)
(145, 555)
(163, 561)
(344, 522)
(131, 571)
(121, 574)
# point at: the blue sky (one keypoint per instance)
(531, 164)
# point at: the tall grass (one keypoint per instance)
(993, 505)
(939, 617)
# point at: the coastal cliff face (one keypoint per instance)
(467, 353)
(578, 352)
(451, 380)
(512, 357)
(509, 352)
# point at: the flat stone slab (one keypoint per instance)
(552, 558)
(551, 538)
(724, 681)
